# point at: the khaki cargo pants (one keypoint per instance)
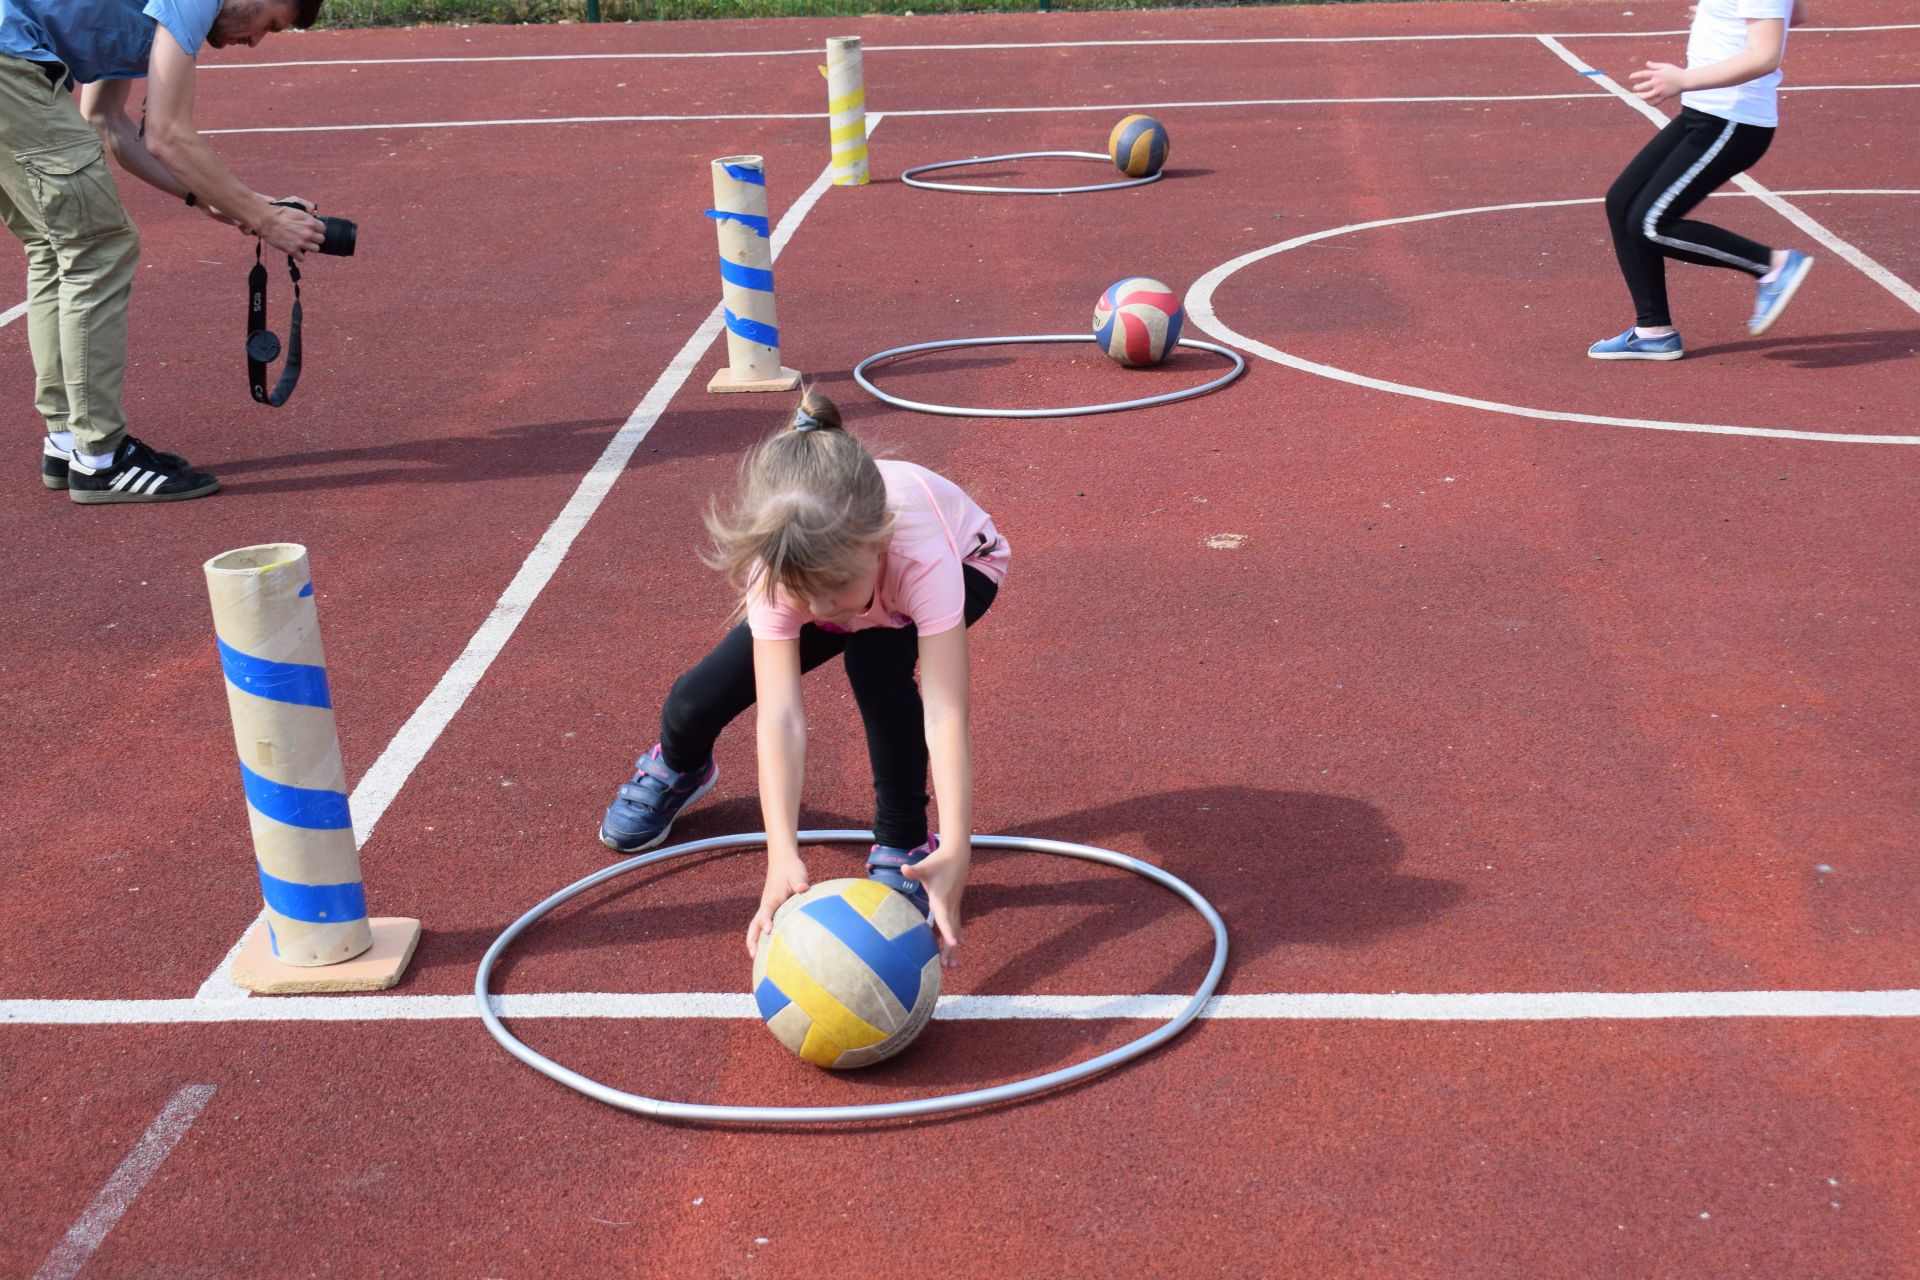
(58, 199)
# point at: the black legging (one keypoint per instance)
(879, 661)
(1647, 204)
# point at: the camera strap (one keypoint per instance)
(262, 346)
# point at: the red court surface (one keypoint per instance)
(1543, 729)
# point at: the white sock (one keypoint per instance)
(96, 461)
(1640, 332)
(62, 440)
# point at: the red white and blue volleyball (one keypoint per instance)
(1138, 146)
(1137, 321)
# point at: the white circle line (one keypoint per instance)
(1199, 306)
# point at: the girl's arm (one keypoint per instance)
(1766, 38)
(943, 691)
(781, 734)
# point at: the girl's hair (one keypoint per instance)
(810, 497)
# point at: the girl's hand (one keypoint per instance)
(944, 873)
(1660, 81)
(784, 879)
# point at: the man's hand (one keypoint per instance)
(944, 873)
(1660, 81)
(291, 231)
(784, 879)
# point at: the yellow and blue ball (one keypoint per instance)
(849, 975)
(1138, 145)
(1137, 320)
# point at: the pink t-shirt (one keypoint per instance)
(937, 529)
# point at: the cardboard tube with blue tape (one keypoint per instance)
(739, 216)
(267, 630)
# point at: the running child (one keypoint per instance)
(1728, 112)
(885, 564)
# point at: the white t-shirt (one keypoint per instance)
(1719, 32)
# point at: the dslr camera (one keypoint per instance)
(340, 232)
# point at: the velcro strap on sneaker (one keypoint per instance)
(881, 856)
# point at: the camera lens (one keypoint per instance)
(339, 236)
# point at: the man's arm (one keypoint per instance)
(177, 147)
(104, 104)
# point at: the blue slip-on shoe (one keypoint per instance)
(1774, 295)
(643, 811)
(884, 863)
(1628, 347)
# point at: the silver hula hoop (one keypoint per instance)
(665, 1110)
(1071, 411)
(906, 175)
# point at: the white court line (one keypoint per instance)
(1200, 309)
(382, 782)
(1874, 271)
(814, 52)
(117, 1196)
(521, 121)
(924, 111)
(12, 313)
(1398, 1006)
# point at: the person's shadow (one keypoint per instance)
(1826, 350)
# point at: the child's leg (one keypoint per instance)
(1641, 263)
(880, 665)
(718, 688)
(1712, 152)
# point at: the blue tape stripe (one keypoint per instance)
(770, 998)
(297, 806)
(742, 173)
(1593, 73)
(752, 330)
(314, 903)
(300, 683)
(878, 952)
(746, 277)
(751, 221)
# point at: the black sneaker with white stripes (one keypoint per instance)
(56, 463)
(138, 474)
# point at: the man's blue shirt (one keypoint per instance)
(101, 39)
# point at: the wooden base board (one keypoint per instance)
(724, 381)
(375, 969)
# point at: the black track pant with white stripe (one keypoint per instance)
(1648, 203)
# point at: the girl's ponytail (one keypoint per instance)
(810, 496)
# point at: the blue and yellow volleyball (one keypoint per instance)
(1138, 145)
(849, 975)
(1138, 320)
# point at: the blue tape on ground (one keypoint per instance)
(751, 221)
(299, 683)
(1593, 73)
(314, 903)
(297, 806)
(752, 330)
(746, 277)
(742, 173)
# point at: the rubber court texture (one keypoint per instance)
(1553, 770)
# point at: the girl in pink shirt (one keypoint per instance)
(883, 563)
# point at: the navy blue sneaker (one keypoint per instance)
(884, 863)
(1774, 295)
(1629, 347)
(642, 813)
